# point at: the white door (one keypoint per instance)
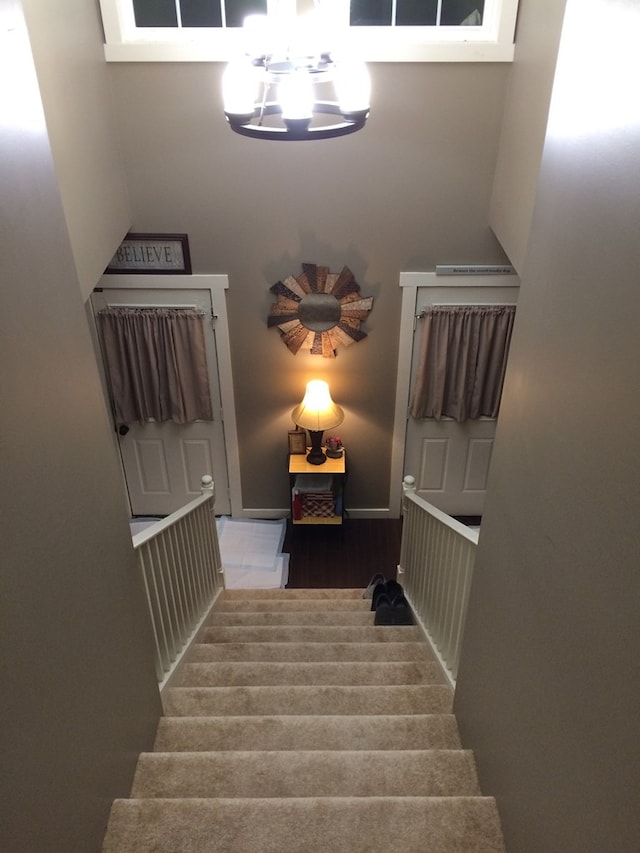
(450, 460)
(163, 463)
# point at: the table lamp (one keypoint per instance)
(317, 412)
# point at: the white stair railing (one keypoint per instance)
(179, 558)
(437, 557)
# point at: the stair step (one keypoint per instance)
(365, 700)
(289, 594)
(312, 825)
(275, 651)
(311, 634)
(263, 673)
(251, 605)
(380, 773)
(322, 617)
(412, 731)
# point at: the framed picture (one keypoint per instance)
(157, 254)
(297, 441)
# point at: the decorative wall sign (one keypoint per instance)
(159, 254)
(319, 310)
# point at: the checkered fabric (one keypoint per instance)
(318, 505)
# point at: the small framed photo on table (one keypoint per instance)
(297, 441)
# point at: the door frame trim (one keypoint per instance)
(410, 282)
(216, 284)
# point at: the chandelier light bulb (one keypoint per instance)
(239, 90)
(296, 96)
(353, 87)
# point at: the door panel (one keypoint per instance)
(196, 458)
(163, 463)
(148, 465)
(478, 458)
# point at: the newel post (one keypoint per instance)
(206, 485)
(408, 487)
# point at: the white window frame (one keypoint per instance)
(492, 42)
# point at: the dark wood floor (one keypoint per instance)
(342, 557)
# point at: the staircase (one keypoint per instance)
(300, 727)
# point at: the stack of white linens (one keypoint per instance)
(251, 553)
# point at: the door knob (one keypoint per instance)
(123, 429)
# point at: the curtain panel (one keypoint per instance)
(462, 361)
(156, 364)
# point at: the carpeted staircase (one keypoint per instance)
(300, 727)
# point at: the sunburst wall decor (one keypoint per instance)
(319, 310)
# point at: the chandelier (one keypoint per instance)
(290, 84)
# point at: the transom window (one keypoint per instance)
(362, 13)
(382, 30)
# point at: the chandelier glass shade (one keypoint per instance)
(290, 86)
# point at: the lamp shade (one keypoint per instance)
(317, 411)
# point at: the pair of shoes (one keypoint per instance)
(390, 605)
(375, 581)
(393, 611)
(389, 588)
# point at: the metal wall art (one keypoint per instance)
(319, 310)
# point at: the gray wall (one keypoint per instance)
(548, 693)
(74, 85)
(524, 124)
(79, 698)
(409, 191)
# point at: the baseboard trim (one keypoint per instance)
(356, 512)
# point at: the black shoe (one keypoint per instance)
(390, 588)
(384, 611)
(400, 611)
(375, 581)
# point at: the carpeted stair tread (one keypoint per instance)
(365, 700)
(289, 594)
(263, 673)
(288, 732)
(280, 651)
(310, 634)
(313, 825)
(323, 617)
(277, 605)
(420, 773)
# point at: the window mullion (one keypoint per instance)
(178, 14)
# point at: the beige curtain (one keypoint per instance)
(156, 364)
(462, 361)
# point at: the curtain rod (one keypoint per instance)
(146, 305)
(465, 305)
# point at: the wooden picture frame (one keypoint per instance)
(297, 441)
(152, 254)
